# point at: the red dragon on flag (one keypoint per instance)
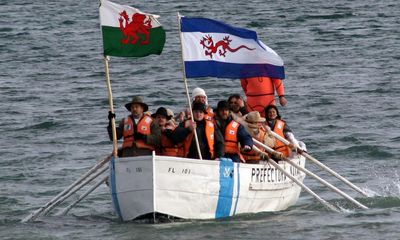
(140, 24)
(129, 32)
(223, 46)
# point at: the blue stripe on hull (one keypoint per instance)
(114, 193)
(226, 181)
(238, 188)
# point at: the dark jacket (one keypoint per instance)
(181, 133)
(243, 111)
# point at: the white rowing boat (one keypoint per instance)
(199, 189)
(185, 188)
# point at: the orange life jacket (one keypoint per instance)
(259, 86)
(142, 127)
(260, 92)
(231, 139)
(210, 114)
(209, 134)
(280, 146)
(168, 148)
(253, 155)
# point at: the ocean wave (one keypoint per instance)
(364, 151)
(46, 125)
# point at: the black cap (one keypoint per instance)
(222, 105)
(161, 111)
(199, 106)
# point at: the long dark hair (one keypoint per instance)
(278, 116)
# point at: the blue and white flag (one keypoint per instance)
(215, 49)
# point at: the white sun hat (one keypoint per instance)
(199, 92)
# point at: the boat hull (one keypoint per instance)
(199, 189)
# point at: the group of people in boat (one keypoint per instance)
(224, 132)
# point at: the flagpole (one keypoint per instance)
(110, 100)
(187, 89)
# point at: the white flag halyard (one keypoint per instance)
(214, 49)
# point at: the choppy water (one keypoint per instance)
(342, 66)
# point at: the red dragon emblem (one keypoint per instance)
(140, 24)
(223, 46)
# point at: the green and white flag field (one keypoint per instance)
(128, 32)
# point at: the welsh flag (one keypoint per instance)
(128, 32)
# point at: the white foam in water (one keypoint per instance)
(345, 210)
(388, 186)
(392, 188)
(371, 193)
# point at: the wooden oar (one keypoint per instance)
(91, 189)
(84, 183)
(302, 185)
(37, 212)
(321, 165)
(333, 188)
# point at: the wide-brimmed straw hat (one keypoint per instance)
(137, 100)
(254, 117)
(161, 111)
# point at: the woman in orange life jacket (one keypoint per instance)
(254, 125)
(279, 126)
(260, 92)
(134, 129)
(233, 132)
(211, 142)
